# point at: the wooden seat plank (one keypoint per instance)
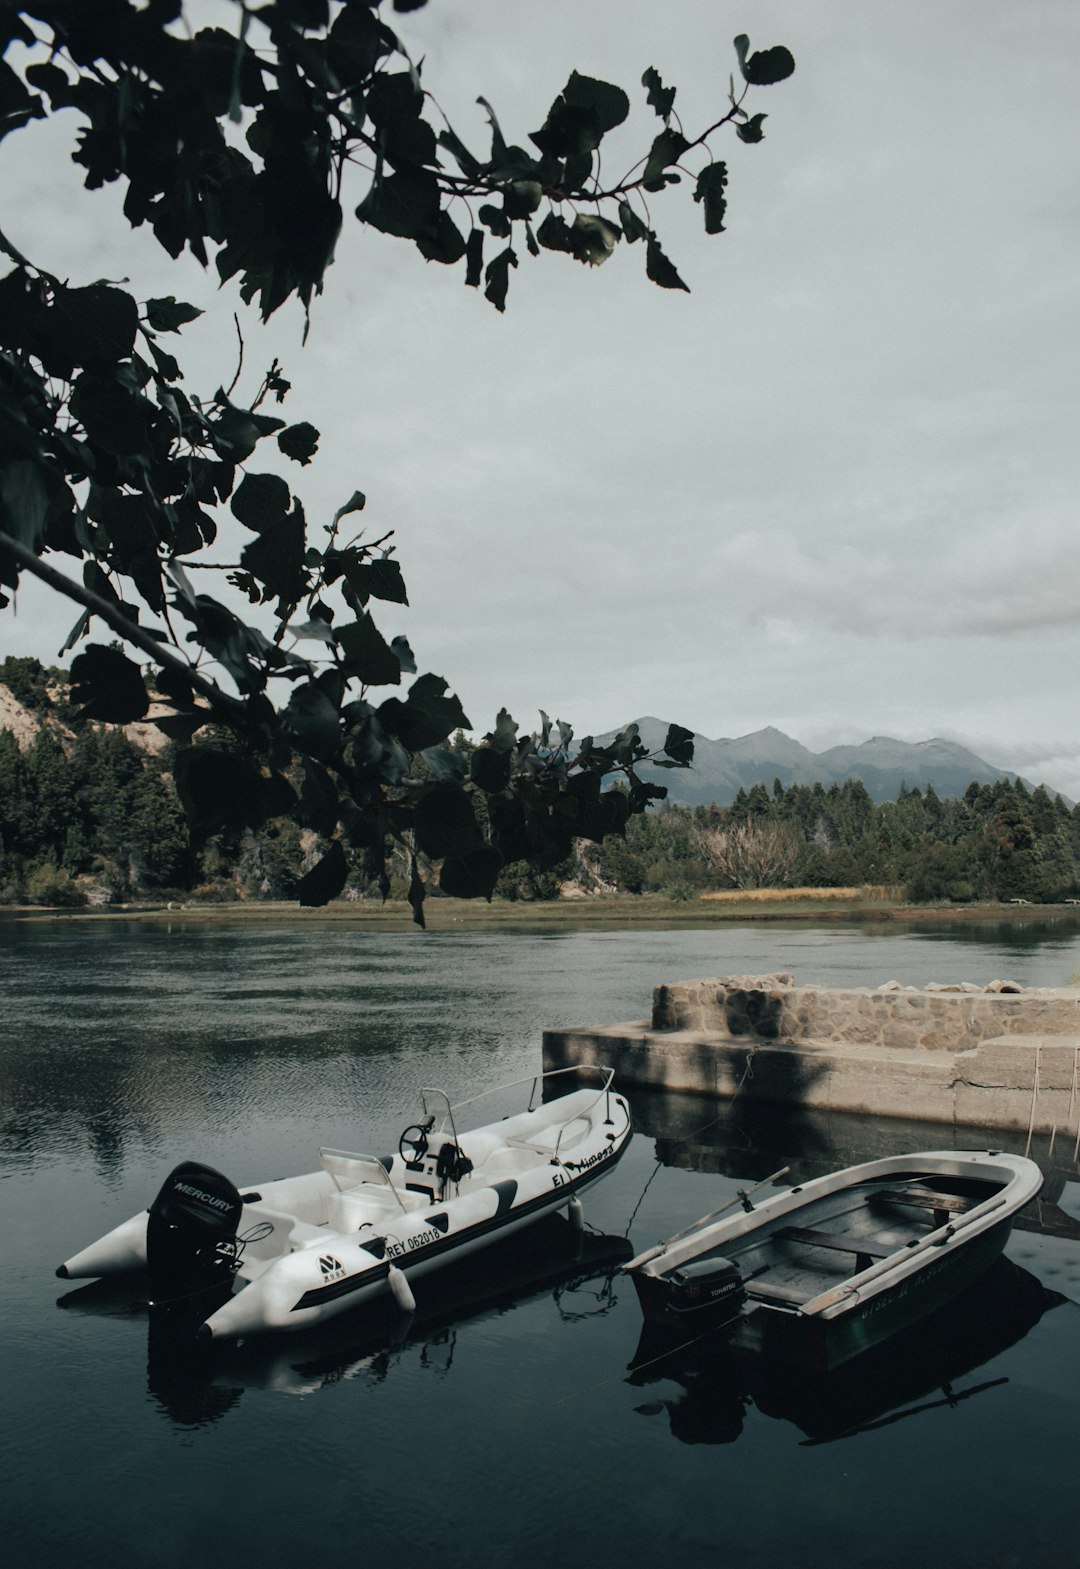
(925, 1198)
(865, 1249)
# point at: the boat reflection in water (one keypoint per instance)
(915, 1371)
(195, 1384)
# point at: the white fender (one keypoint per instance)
(401, 1290)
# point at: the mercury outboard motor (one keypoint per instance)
(191, 1231)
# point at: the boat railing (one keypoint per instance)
(536, 1080)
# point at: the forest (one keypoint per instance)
(90, 816)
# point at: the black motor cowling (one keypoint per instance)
(191, 1231)
(711, 1287)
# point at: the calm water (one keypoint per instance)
(502, 1425)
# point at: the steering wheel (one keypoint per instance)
(413, 1144)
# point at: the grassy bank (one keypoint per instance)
(605, 913)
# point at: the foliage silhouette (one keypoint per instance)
(243, 147)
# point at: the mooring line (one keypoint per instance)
(1034, 1100)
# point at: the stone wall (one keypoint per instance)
(773, 1008)
(993, 1058)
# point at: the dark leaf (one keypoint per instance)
(379, 579)
(595, 238)
(356, 42)
(509, 828)
(218, 790)
(521, 198)
(299, 442)
(111, 415)
(496, 220)
(320, 631)
(570, 133)
(504, 737)
(261, 501)
(616, 809)
(498, 143)
(326, 878)
(416, 894)
(659, 269)
(765, 67)
(710, 190)
(367, 655)
(667, 148)
(750, 130)
(276, 558)
(319, 800)
(405, 203)
(108, 685)
(632, 225)
(445, 823)
(471, 876)
(169, 315)
(468, 165)
(490, 769)
(24, 502)
(182, 726)
(356, 503)
(429, 716)
(98, 323)
(679, 745)
(315, 721)
(474, 258)
(167, 367)
(175, 686)
(446, 245)
(49, 78)
(497, 277)
(446, 763)
(660, 98)
(236, 432)
(609, 103)
(555, 234)
(404, 655)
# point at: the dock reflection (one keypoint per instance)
(749, 1140)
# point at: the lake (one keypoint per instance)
(515, 1420)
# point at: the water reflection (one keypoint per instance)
(917, 1371)
(194, 1385)
(750, 1140)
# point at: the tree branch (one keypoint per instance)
(233, 708)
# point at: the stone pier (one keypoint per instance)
(998, 1057)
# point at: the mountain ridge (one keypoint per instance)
(724, 766)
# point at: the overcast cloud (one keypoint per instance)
(833, 489)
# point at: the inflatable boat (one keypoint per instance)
(829, 1268)
(294, 1252)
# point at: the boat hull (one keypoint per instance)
(834, 1267)
(827, 1343)
(314, 1285)
(298, 1251)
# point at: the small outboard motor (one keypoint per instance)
(710, 1287)
(191, 1231)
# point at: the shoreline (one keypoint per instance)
(613, 912)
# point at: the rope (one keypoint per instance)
(1034, 1100)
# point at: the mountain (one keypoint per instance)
(721, 768)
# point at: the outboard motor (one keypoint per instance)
(191, 1231)
(711, 1288)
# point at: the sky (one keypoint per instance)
(833, 489)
